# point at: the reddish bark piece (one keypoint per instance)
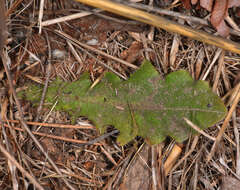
(207, 4)
(186, 4)
(219, 11)
(194, 2)
(230, 183)
(233, 3)
(2, 25)
(133, 53)
(223, 29)
(238, 112)
(238, 12)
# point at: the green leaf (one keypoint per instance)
(143, 106)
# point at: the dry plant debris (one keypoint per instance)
(99, 41)
(219, 12)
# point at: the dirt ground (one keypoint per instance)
(96, 43)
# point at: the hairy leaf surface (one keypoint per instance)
(144, 105)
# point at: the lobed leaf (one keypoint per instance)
(143, 106)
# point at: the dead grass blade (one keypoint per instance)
(194, 143)
(96, 50)
(225, 124)
(56, 125)
(4, 60)
(81, 142)
(236, 134)
(24, 172)
(67, 18)
(172, 158)
(198, 129)
(163, 23)
(219, 70)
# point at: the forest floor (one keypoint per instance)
(96, 42)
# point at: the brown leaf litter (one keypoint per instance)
(105, 164)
